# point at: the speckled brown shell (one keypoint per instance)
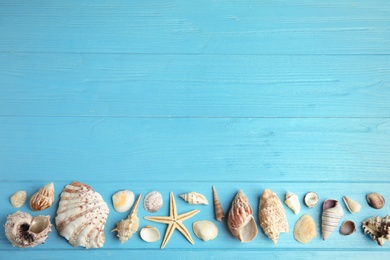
(375, 200)
(153, 201)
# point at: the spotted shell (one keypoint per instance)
(153, 201)
(375, 200)
(18, 198)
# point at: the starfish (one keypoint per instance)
(174, 221)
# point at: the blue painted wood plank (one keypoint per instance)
(195, 85)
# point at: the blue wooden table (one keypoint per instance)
(182, 95)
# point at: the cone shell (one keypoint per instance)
(153, 201)
(149, 234)
(123, 200)
(43, 198)
(205, 230)
(331, 215)
(311, 199)
(272, 216)
(292, 201)
(305, 229)
(375, 200)
(18, 198)
(347, 228)
(240, 219)
(352, 206)
(194, 198)
(218, 210)
(378, 228)
(81, 216)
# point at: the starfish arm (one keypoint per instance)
(168, 233)
(164, 220)
(187, 215)
(184, 231)
(172, 206)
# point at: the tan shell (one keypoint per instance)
(352, 206)
(194, 198)
(347, 228)
(205, 230)
(375, 200)
(23, 230)
(272, 216)
(18, 198)
(43, 198)
(331, 215)
(123, 200)
(218, 210)
(305, 229)
(153, 201)
(378, 228)
(292, 201)
(311, 199)
(149, 234)
(240, 219)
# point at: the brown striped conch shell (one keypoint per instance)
(194, 198)
(81, 216)
(331, 215)
(272, 216)
(240, 219)
(347, 228)
(43, 198)
(375, 200)
(24, 230)
(127, 227)
(352, 206)
(292, 201)
(218, 211)
(378, 228)
(18, 198)
(305, 229)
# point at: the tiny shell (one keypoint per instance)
(305, 229)
(205, 230)
(43, 198)
(311, 199)
(352, 206)
(347, 228)
(18, 198)
(123, 200)
(194, 198)
(153, 201)
(375, 200)
(292, 201)
(149, 234)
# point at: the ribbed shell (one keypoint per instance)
(18, 198)
(43, 198)
(331, 215)
(81, 216)
(305, 229)
(218, 210)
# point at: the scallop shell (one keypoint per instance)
(305, 229)
(375, 200)
(347, 228)
(24, 230)
(205, 230)
(194, 198)
(352, 206)
(311, 199)
(18, 198)
(378, 228)
(43, 198)
(292, 201)
(272, 216)
(153, 201)
(331, 215)
(127, 227)
(81, 216)
(240, 219)
(218, 210)
(123, 200)
(149, 234)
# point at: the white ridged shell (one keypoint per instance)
(305, 229)
(149, 234)
(123, 200)
(205, 230)
(43, 198)
(18, 198)
(194, 198)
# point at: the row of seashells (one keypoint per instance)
(40, 200)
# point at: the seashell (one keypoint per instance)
(205, 230)
(18, 198)
(375, 200)
(292, 201)
(81, 216)
(43, 198)
(127, 227)
(153, 201)
(272, 216)
(311, 199)
(24, 230)
(378, 228)
(331, 215)
(347, 228)
(218, 211)
(123, 200)
(352, 206)
(305, 229)
(194, 198)
(149, 234)
(240, 219)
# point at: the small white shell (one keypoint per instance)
(194, 198)
(352, 206)
(292, 201)
(18, 198)
(205, 230)
(153, 201)
(311, 199)
(149, 234)
(123, 200)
